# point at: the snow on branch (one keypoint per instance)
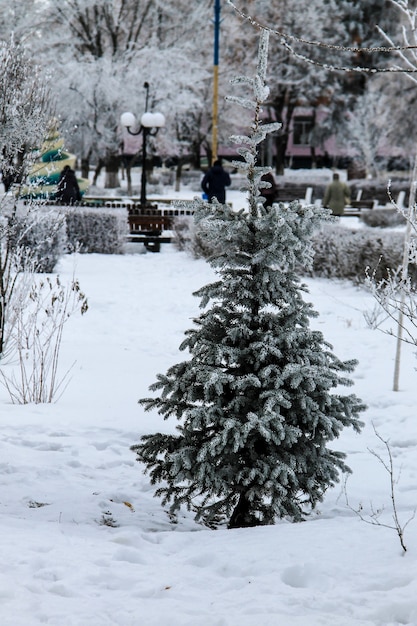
(285, 38)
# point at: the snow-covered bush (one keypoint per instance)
(383, 218)
(343, 253)
(187, 238)
(184, 232)
(31, 241)
(100, 230)
(41, 236)
(338, 252)
(40, 314)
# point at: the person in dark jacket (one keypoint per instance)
(215, 182)
(68, 191)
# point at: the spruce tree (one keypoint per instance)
(257, 401)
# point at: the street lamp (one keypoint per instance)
(150, 124)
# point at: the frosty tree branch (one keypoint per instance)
(374, 517)
(286, 38)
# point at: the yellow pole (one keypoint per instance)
(215, 120)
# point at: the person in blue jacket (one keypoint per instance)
(215, 182)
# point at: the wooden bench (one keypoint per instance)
(148, 229)
(290, 193)
(362, 204)
(355, 208)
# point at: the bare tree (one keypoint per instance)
(24, 112)
(374, 517)
(364, 131)
(114, 47)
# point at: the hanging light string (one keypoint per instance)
(285, 39)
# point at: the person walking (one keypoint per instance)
(336, 196)
(68, 191)
(215, 181)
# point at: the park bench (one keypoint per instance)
(290, 193)
(355, 208)
(148, 228)
(378, 197)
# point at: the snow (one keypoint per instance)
(67, 467)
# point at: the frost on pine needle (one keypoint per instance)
(243, 102)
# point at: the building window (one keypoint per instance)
(302, 128)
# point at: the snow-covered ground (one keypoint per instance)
(84, 542)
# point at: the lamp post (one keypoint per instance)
(150, 124)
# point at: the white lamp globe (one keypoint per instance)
(147, 119)
(159, 119)
(128, 119)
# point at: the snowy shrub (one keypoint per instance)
(338, 252)
(183, 230)
(383, 218)
(98, 230)
(343, 253)
(167, 177)
(39, 237)
(41, 313)
(187, 238)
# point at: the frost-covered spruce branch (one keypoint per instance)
(258, 400)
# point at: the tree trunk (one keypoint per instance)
(313, 157)
(128, 170)
(242, 516)
(85, 167)
(280, 149)
(97, 171)
(112, 172)
(178, 173)
(313, 147)
(281, 141)
(196, 155)
(209, 154)
(1, 323)
(411, 220)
